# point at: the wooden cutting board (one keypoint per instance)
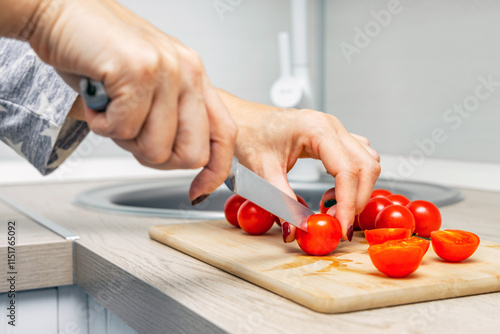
(344, 281)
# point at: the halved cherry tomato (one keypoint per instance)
(396, 258)
(398, 199)
(231, 207)
(367, 217)
(380, 193)
(253, 219)
(415, 241)
(381, 235)
(427, 217)
(454, 245)
(394, 216)
(322, 236)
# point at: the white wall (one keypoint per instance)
(397, 89)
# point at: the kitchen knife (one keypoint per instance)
(249, 185)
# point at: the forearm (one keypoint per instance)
(16, 15)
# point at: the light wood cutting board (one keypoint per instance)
(344, 281)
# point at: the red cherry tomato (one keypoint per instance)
(380, 193)
(302, 201)
(396, 258)
(322, 236)
(322, 208)
(415, 241)
(231, 207)
(427, 217)
(394, 216)
(253, 219)
(381, 235)
(355, 225)
(367, 217)
(454, 245)
(398, 199)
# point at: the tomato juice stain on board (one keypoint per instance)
(322, 267)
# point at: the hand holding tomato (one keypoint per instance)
(271, 140)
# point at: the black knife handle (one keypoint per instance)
(94, 94)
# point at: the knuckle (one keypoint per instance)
(155, 154)
(195, 160)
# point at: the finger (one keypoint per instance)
(362, 139)
(344, 169)
(155, 142)
(192, 143)
(222, 140)
(328, 199)
(368, 170)
(129, 108)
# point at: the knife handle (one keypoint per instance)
(94, 94)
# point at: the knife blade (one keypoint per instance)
(251, 186)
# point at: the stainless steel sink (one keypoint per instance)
(169, 198)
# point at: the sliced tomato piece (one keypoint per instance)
(454, 245)
(396, 259)
(422, 243)
(381, 235)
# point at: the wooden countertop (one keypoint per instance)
(41, 258)
(156, 289)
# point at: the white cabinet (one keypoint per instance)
(61, 310)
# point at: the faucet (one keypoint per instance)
(293, 88)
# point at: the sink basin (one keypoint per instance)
(169, 198)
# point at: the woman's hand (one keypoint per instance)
(270, 140)
(163, 107)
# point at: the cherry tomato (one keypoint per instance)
(367, 217)
(393, 216)
(454, 245)
(231, 207)
(355, 225)
(381, 235)
(398, 199)
(415, 241)
(380, 193)
(322, 236)
(253, 219)
(323, 207)
(427, 217)
(396, 258)
(302, 201)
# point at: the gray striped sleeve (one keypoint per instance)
(34, 103)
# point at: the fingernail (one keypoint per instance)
(329, 203)
(199, 200)
(350, 231)
(285, 230)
